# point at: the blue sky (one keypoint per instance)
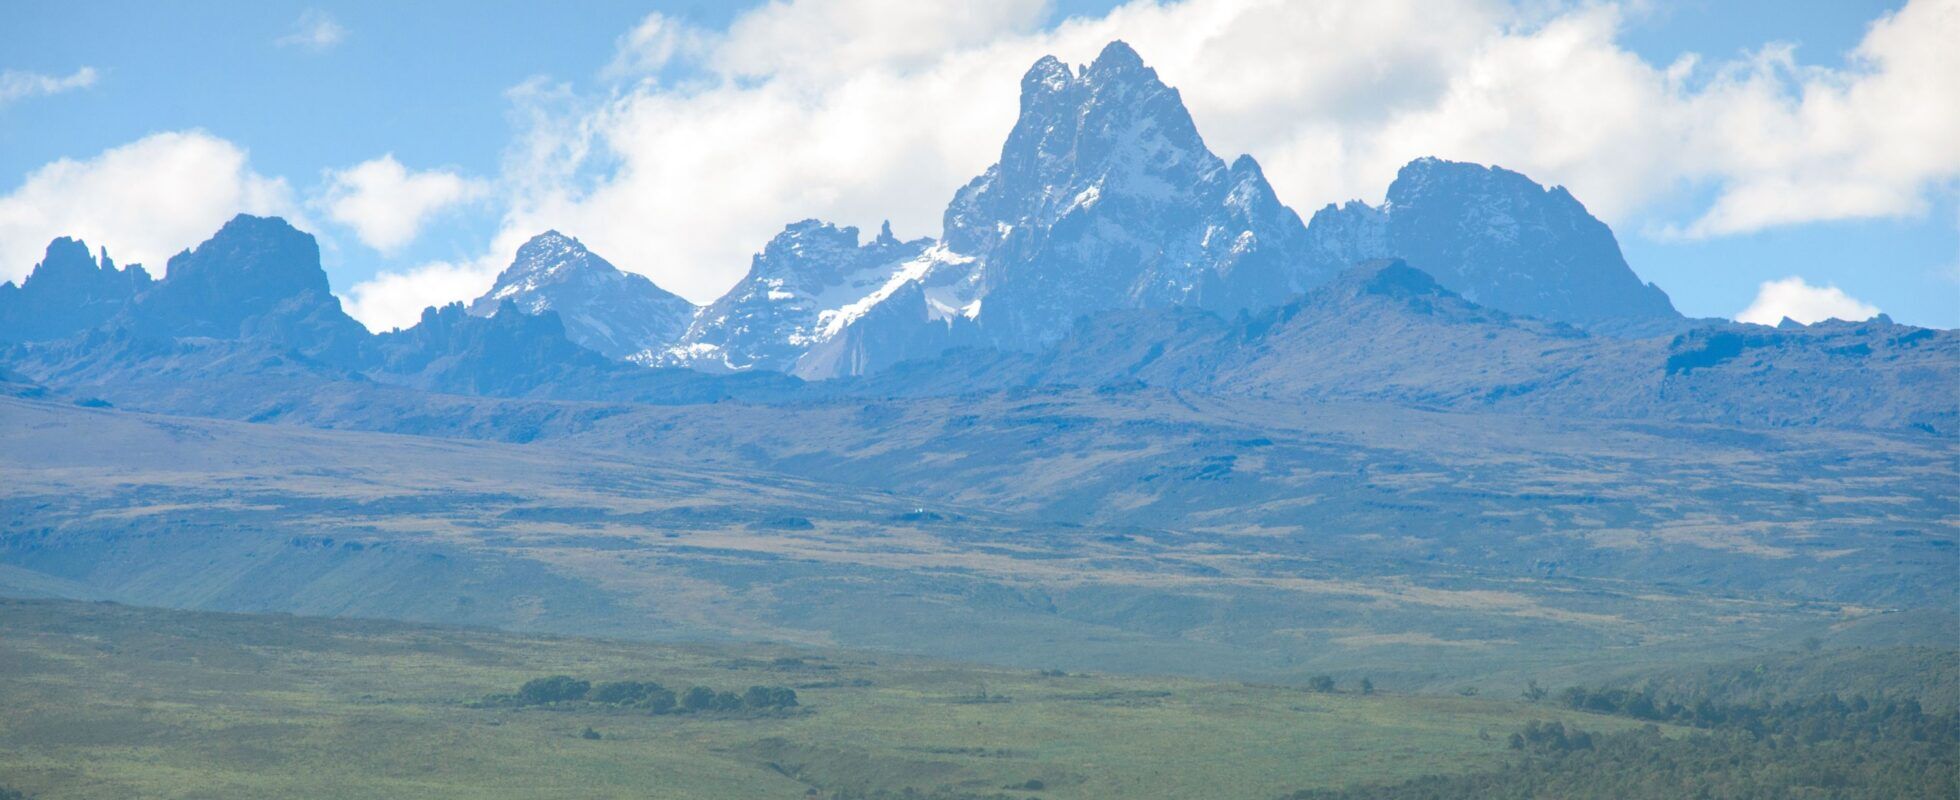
(500, 119)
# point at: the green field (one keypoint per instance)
(111, 701)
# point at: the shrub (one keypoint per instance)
(625, 693)
(699, 698)
(554, 689)
(761, 697)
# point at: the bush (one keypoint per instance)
(1321, 683)
(659, 702)
(625, 693)
(699, 698)
(761, 697)
(554, 689)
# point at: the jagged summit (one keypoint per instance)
(67, 263)
(1498, 238)
(806, 284)
(603, 308)
(250, 258)
(68, 291)
(1105, 196)
(251, 267)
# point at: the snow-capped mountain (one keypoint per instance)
(807, 285)
(1499, 239)
(1105, 196)
(604, 309)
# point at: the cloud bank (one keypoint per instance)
(386, 205)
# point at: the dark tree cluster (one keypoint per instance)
(564, 690)
(1823, 748)
(1812, 720)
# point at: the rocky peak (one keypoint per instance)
(256, 279)
(68, 270)
(67, 292)
(1114, 130)
(251, 267)
(251, 260)
(1105, 196)
(1497, 238)
(603, 308)
(803, 278)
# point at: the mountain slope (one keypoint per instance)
(1387, 332)
(604, 309)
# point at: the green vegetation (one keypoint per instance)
(1928, 676)
(1823, 747)
(109, 701)
(565, 692)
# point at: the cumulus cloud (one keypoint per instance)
(315, 30)
(1795, 299)
(145, 200)
(386, 205)
(856, 112)
(395, 299)
(20, 85)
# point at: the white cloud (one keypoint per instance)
(856, 111)
(651, 44)
(145, 200)
(386, 205)
(1800, 301)
(315, 30)
(19, 85)
(395, 299)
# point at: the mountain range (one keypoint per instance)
(1104, 197)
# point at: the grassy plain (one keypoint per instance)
(107, 701)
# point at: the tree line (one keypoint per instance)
(1826, 748)
(565, 690)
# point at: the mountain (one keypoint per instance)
(1501, 240)
(257, 278)
(806, 285)
(604, 309)
(66, 293)
(1105, 196)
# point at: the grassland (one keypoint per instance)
(107, 701)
